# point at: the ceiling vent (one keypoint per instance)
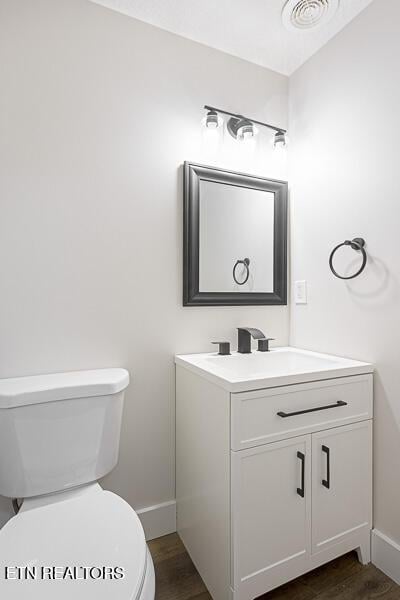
(307, 15)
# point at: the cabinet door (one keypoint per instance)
(271, 512)
(342, 483)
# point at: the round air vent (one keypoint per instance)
(308, 14)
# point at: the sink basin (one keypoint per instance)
(280, 366)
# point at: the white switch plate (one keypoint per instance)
(300, 292)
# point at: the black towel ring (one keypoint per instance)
(245, 262)
(357, 244)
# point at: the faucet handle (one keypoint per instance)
(224, 348)
(263, 344)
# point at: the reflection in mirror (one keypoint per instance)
(234, 238)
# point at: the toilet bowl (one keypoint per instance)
(87, 544)
(70, 538)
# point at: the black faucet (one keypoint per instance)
(244, 340)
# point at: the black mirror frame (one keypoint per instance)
(193, 174)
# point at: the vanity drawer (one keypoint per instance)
(273, 414)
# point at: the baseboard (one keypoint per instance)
(158, 520)
(386, 555)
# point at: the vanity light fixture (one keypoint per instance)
(240, 127)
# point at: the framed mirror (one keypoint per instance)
(235, 238)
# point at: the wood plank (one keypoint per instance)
(369, 584)
(166, 547)
(176, 575)
(295, 590)
(328, 575)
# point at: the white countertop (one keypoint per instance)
(281, 366)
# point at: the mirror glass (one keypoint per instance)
(236, 229)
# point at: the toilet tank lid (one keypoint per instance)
(37, 389)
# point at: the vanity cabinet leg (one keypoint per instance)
(364, 552)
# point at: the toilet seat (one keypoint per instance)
(93, 533)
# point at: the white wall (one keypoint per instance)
(344, 171)
(97, 113)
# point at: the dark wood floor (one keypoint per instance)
(342, 579)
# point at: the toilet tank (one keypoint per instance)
(59, 431)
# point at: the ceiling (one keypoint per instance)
(249, 29)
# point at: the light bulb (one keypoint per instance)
(280, 140)
(246, 130)
(212, 120)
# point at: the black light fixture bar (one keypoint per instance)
(225, 112)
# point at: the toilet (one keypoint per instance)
(69, 538)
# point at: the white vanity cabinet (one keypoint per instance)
(274, 482)
(289, 493)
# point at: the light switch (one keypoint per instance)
(300, 292)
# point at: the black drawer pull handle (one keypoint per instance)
(309, 410)
(327, 482)
(302, 457)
